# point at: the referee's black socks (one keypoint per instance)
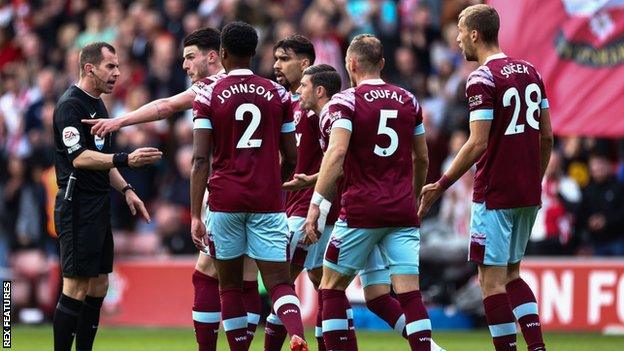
(65, 319)
(88, 322)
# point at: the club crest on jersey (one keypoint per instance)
(297, 117)
(593, 34)
(475, 100)
(99, 142)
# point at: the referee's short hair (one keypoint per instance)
(92, 53)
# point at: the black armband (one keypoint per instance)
(120, 159)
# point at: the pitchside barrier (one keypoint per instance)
(573, 294)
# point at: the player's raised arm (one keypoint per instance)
(152, 111)
(546, 140)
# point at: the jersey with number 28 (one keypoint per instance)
(511, 94)
(378, 173)
(247, 115)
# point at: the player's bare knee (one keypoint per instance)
(250, 270)
(513, 272)
(205, 265)
(334, 280)
(76, 287)
(294, 272)
(98, 286)
(404, 283)
(315, 276)
(372, 292)
(274, 273)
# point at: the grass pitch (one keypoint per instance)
(147, 339)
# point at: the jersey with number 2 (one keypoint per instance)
(247, 115)
(511, 94)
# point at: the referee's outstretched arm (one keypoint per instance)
(94, 160)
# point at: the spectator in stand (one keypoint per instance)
(600, 217)
(554, 223)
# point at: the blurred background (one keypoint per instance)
(39, 46)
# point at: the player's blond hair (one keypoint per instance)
(485, 20)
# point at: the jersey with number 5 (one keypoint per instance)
(378, 173)
(247, 115)
(511, 94)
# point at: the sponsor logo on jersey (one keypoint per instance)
(475, 100)
(71, 136)
(593, 34)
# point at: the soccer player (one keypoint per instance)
(292, 56)
(85, 171)
(203, 65)
(377, 132)
(510, 139)
(243, 122)
(318, 85)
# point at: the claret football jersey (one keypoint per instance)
(511, 94)
(247, 115)
(378, 174)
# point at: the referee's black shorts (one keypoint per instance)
(83, 226)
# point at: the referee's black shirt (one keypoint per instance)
(71, 138)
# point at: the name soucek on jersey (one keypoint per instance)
(511, 94)
(247, 114)
(378, 174)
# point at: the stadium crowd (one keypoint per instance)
(39, 46)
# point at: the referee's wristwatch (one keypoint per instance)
(127, 187)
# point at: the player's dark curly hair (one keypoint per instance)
(204, 38)
(324, 76)
(299, 44)
(239, 39)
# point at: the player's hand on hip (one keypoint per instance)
(299, 181)
(429, 194)
(136, 205)
(198, 233)
(310, 227)
(103, 126)
(144, 156)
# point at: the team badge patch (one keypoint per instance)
(71, 136)
(99, 142)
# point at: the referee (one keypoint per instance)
(84, 171)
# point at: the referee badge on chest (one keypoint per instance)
(99, 142)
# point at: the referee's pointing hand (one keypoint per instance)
(144, 156)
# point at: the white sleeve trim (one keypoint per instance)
(202, 123)
(544, 104)
(482, 115)
(343, 123)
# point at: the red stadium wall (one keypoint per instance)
(573, 294)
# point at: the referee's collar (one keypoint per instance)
(84, 91)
